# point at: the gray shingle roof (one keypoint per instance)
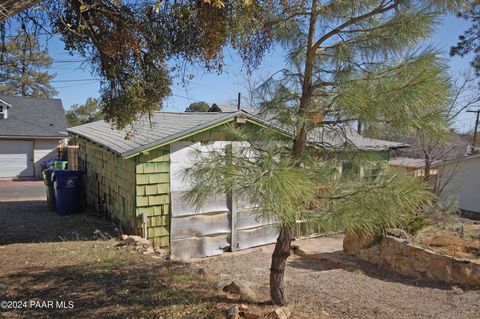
(338, 136)
(29, 116)
(165, 127)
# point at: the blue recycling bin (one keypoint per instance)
(68, 191)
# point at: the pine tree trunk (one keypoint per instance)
(277, 270)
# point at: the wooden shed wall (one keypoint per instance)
(110, 183)
(153, 194)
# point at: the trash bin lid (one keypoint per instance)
(57, 172)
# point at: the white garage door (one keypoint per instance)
(16, 158)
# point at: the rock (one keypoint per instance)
(3, 286)
(353, 242)
(233, 312)
(400, 233)
(249, 315)
(240, 288)
(222, 283)
(243, 307)
(133, 240)
(148, 251)
(279, 313)
(123, 237)
(202, 272)
(457, 290)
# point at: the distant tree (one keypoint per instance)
(84, 113)
(24, 68)
(198, 107)
(469, 41)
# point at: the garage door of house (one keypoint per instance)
(16, 158)
(221, 224)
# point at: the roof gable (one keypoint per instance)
(29, 116)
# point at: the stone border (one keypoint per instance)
(401, 256)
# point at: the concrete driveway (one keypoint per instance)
(24, 217)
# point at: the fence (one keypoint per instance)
(69, 154)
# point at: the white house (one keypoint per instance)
(460, 179)
(31, 129)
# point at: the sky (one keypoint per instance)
(75, 83)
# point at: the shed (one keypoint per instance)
(137, 181)
(31, 129)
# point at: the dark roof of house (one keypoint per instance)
(29, 116)
(329, 135)
(417, 163)
(337, 136)
(164, 128)
(408, 162)
(231, 108)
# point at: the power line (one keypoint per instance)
(70, 86)
(186, 97)
(74, 80)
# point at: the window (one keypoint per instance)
(373, 170)
(3, 112)
(349, 170)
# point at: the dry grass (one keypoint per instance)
(104, 282)
(451, 235)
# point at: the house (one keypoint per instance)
(31, 129)
(459, 179)
(138, 182)
(456, 179)
(411, 166)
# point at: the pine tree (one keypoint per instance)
(24, 69)
(357, 59)
(198, 107)
(469, 41)
(88, 112)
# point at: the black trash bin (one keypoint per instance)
(68, 191)
(47, 180)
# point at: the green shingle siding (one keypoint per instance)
(153, 194)
(109, 187)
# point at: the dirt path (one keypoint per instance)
(360, 292)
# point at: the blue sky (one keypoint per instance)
(75, 83)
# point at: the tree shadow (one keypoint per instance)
(122, 290)
(339, 260)
(30, 221)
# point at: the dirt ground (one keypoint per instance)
(47, 257)
(94, 279)
(361, 291)
(460, 239)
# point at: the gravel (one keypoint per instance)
(361, 291)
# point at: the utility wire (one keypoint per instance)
(74, 80)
